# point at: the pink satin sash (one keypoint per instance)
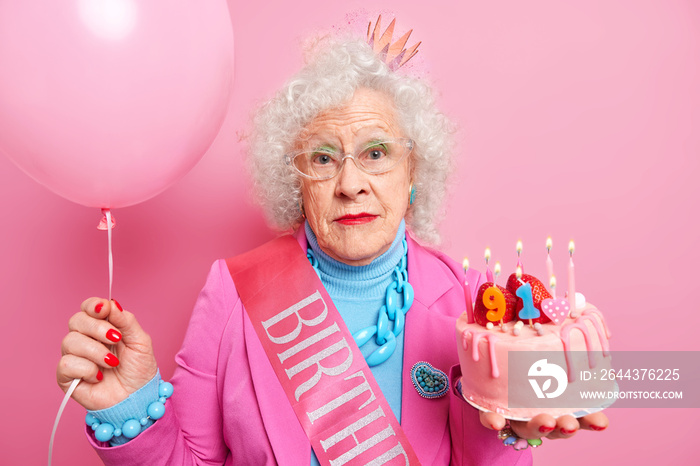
(322, 371)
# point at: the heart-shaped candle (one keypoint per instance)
(556, 309)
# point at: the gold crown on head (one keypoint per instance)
(394, 55)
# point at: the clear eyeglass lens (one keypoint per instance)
(377, 157)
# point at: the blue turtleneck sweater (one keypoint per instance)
(358, 293)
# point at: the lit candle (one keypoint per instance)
(550, 264)
(496, 272)
(519, 250)
(572, 286)
(553, 286)
(487, 258)
(468, 292)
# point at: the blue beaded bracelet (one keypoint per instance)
(104, 432)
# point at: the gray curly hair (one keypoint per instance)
(329, 80)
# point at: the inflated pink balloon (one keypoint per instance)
(108, 102)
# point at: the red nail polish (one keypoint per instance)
(98, 308)
(118, 305)
(113, 335)
(545, 429)
(99, 376)
(568, 432)
(598, 428)
(111, 360)
(494, 427)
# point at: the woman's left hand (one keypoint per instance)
(544, 425)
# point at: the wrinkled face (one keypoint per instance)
(356, 215)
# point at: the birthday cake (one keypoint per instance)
(524, 316)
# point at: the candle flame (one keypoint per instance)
(518, 272)
(519, 247)
(497, 269)
(465, 264)
(571, 247)
(549, 244)
(487, 255)
(553, 282)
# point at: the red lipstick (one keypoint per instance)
(356, 219)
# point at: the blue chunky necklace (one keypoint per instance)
(390, 311)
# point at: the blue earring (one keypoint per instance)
(412, 194)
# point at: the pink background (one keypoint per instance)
(576, 121)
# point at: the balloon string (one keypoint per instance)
(69, 392)
(75, 382)
(108, 214)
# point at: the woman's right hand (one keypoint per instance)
(108, 349)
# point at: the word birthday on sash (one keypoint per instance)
(334, 398)
(322, 371)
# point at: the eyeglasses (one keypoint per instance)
(374, 158)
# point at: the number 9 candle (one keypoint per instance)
(495, 301)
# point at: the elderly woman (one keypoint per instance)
(353, 156)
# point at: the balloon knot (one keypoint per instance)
(103, 222)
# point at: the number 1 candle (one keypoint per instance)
(524, 292)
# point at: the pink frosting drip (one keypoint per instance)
(476, 338)
(596, 312)
(567, 346)
(579, 323)
(603, 339)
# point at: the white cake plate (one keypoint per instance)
(577, 414)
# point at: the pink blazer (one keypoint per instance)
(229, 408)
